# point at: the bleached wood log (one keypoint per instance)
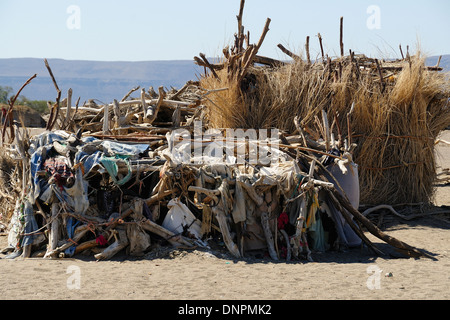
(172, 238)
(268, 235)
(106, 120)
(225, 230)
(54, 232)
(120, 243)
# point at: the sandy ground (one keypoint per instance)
(200, 275)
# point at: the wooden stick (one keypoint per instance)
(69, 106)
(268, 61)
(179, 92)
(351, 223)
(287, 52)
(341, 42)
(209, 65)
(401, 51)
(129, 93)
(438, 62)
(321, 47)
(263, 35)
(9, 115)
(253, 50)
(54, 232)
(373, 229)
(308, 58)
(240, 27)
(215, 66)
(55, 110)
(85, 246)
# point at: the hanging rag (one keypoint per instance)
(317, 233)
(282, 220)
(110, 164)
(30, 224)
(313, 207)
(71, 225)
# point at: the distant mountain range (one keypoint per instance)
(106, 81)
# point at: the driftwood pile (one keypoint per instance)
(157, 169)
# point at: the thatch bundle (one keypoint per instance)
(399, 108)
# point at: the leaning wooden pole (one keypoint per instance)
(341, 36)
(373, 229)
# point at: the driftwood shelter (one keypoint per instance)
(257, 155)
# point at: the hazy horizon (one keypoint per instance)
(137, 31)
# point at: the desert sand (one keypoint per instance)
(201, 275)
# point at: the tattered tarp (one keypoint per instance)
(90, 152)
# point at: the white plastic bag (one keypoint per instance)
(180, 217)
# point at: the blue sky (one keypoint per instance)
(135, 30)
